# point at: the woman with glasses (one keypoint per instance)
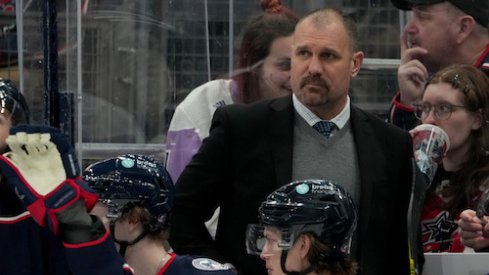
(456, 99)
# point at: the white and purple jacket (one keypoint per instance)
(192, 120)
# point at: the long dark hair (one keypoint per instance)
(464, 188)
(276, 21)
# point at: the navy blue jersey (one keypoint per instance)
(27, 249)
(192, 265)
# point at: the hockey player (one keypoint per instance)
(306, 228)
(45, 227)
(44, 224)
(13, 110)
(136, 196)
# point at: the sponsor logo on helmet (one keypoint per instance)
(302, 188)
(321, 189)
(127, 163)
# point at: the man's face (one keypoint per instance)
(433, 27)
(271, 252)
(323, 65)
(274, 247)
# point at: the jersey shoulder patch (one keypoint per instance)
(209, 264)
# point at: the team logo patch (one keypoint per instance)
(127, 163)
(302, 189)
(209, 265)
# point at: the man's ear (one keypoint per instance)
(132, 226)
(305, 245)
(465, 25)
(356, 63)
(133, 221)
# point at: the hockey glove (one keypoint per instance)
(43, 171)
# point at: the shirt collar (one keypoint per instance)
(340, 120)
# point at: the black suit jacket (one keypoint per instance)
(249, 154)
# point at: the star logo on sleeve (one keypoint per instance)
(437, 230)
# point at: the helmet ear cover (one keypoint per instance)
(133, 180)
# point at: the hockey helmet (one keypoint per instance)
(132, 178)
(317, 206)
(13, 102)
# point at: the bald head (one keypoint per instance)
(323, 17)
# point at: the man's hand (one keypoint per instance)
(412, 75)
(43, 171)
(473, 231)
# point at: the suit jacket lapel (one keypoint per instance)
(366, 147)
(281, 134)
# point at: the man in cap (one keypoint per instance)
(439, 33)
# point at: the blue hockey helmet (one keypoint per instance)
(318, 206)
(13, 102)
(132, 178)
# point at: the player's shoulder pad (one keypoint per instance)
(209, 265)
(34, 129)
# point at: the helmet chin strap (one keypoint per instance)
(283, 258)
(124, 244)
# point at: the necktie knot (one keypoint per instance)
(324, 127)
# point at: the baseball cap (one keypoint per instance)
(478, 9)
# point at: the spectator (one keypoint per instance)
(456, 100)
(253, 149)
(440, 33)
(263, 71)
(474, 231)
(306, 227)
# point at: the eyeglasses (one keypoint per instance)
(441, 111)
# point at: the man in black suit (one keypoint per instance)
(256, 148)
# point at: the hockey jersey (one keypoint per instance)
(26, 248)
(192, 265)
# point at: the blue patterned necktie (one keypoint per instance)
(324, 127)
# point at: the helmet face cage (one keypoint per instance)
(130, 180)
(317, 206)
(12, 103)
